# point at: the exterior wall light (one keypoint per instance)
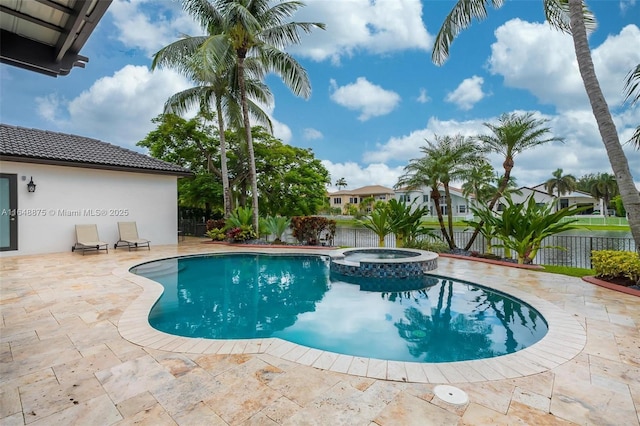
(31, 187)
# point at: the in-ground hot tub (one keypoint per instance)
(381, 262)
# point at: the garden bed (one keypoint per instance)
(620, 284)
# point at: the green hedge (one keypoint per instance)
(613, 264)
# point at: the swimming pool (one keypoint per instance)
(294, 297)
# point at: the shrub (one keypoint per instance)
(616, 264)
(309, 229)
(276, 226)
(216, 234)
(241, 233)
(215, 224)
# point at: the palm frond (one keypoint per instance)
(177, 53)
(284, 65)
(557, 14)
(632, 85)
(457, 20)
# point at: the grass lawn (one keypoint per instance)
(568, 270)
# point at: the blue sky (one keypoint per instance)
(376, 94)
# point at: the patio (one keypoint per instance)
(65, 360)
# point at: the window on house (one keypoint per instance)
(382, 197)
(425, 198)
(462, 209)
(337, 200)
(501, 207)
(564, 203)
(353, 200)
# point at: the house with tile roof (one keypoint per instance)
(50, 181)
(340, 199)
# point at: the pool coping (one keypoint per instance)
(565, 339)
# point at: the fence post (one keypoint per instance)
(590, 250)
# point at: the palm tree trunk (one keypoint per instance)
(247, 128)
(447, 200)
(435, 196)
(226, 189)
(619, 164)
(492, 203)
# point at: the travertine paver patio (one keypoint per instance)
(65, 360)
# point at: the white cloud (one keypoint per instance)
(149, 25)
(362, 25)
(370, 99)
(404, 148)
(357, 175)
(310, 134)
(521, 56)
(467, 94)
(49, 107)
(423, 98)
(119, 108)
(626, 5)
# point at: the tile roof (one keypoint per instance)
(365, 190)
(43, 146)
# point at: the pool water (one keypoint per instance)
(369, 255)
(241, 296)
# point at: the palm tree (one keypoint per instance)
(215, 85)
(572, 17)
(604, 188)
(446, 159)
(478, 182)
(562, 184)
(513, 134)
(260, 29)
(632, 90)
(341, 183)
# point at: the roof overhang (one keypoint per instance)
(46, 36)
(52, 162)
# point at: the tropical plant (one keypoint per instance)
(562, 184)
(478, 180)
(241, 233)
(239, 217)
(312, 229)
(604, 187)
(513, 134)
(241, 29)
(618, 205)
(341, 183)
(217, 234)
(574, 18)
(216, 85)
(446, 159)
(405, 222)
(632, 92)
(379, 223)
(277, 226)
(523, 227)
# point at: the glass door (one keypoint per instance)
(8, 212)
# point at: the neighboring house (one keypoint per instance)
(574, 198)
(422, 197)
(79, 181)
(356, 196)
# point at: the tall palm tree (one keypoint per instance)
(341, 183)
(604, 188)
(572, 17)
(513, 134)
(632, 91)
(562, 184)
(446, 159)
(258, 29)
(215, 85)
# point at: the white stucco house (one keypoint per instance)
(574, 198)
(422, 197)
(80, 180)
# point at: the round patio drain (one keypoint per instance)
(451, 394)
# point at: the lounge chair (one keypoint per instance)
(87, 239)
(129, 236)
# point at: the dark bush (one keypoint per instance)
(310, 229)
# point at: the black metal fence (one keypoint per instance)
(560, 250)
